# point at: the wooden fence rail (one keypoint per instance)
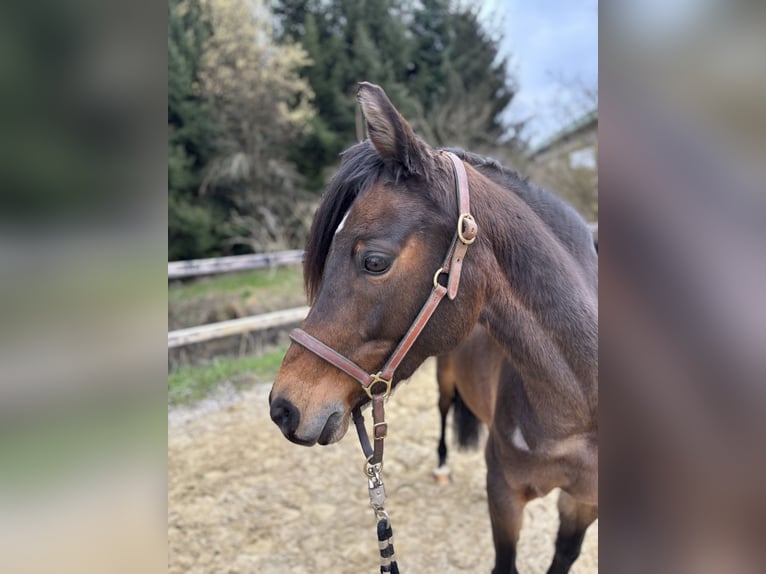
(212, 331)
(196, 267)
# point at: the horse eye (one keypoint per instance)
(375, 264)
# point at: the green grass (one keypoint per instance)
(194, 302)
(245, 283)
(189, 384)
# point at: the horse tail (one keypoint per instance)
(467, 425)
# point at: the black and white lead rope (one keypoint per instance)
(386, 544)
(377, 491)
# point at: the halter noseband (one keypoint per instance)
(378, 386)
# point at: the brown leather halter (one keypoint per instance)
(378, 386)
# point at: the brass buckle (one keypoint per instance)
(381, 424)
(378, 378)
(463, 217)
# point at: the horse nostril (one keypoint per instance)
(285, 415)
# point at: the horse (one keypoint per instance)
(476, 361)
(524, 268)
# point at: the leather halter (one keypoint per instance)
(378, 386)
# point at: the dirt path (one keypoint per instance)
(244, 500)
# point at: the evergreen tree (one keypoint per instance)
(436, 61)
(347, 41)
(194, 222)
(459, 77)
(321, 145)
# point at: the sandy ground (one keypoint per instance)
(242, 499)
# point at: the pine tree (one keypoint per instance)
(194, 222)
(347, 41)
(460, 78)
(436, 61)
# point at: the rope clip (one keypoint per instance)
(375, 487)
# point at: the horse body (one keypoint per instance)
(486, 381)
(530, 279)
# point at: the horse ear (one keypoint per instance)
(390, 133)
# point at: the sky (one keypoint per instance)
(553, 45)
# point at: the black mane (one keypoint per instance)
(360, 168)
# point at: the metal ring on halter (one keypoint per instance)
(439, 271)
(466, 217)
(378, 378)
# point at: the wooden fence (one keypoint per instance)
(212, 331)
(197, 267)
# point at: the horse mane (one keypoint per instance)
(360, 168)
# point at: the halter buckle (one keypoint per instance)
(382, 424)
(378, 378)
(470, 233)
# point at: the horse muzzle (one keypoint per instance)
(324, 427)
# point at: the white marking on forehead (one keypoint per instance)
(342, 222)
(518, 440)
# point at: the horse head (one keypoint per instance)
(382, 230)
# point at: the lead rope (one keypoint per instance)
(373, 466)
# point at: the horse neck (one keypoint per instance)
(541, 304)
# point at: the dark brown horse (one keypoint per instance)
(378, 237)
